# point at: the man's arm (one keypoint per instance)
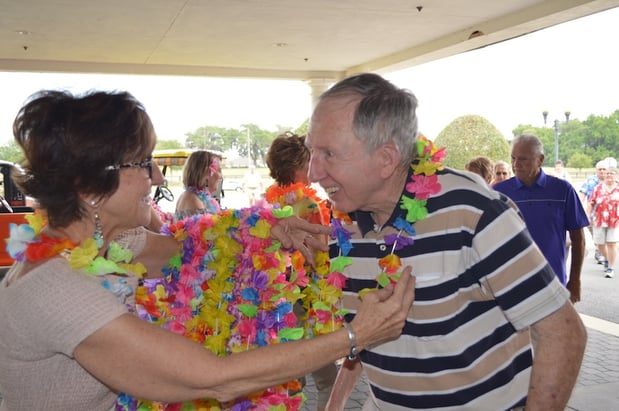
(345, 382)
(560, 345)
(577, 237)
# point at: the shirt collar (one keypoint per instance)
(540, 181)
(366, 222)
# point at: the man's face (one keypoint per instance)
(526, 163)
(340, 162)
(601, 172)
(501, 173)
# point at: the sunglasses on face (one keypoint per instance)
(147, 164)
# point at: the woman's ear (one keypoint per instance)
(388, 159)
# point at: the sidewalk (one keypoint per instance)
(598, 382)
(597, 388)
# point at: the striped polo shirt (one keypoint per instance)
(481, 282)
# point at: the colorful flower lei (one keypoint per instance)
(27, 243)
(321, 290)
(422, 185)
(227, 289)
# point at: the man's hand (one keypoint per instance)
(299, 234)
(573, 287)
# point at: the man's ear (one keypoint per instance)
(388, 159)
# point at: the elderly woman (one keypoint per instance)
(69, 338)
(482, 166)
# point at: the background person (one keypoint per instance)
(604, 208)
(201, 177)
(502, 171)
(69, 340)
(585, 194)
(482, 166)
(288, 162)
(252, 185)
(393, 204)
(561, 172)
(550, 207)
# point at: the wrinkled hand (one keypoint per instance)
(299, 234)
(382, 315)
(574, 289)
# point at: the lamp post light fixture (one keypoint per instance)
(556, 127)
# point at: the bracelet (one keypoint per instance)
(352, 340)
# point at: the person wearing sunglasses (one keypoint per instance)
(70, 338)
(502, 171)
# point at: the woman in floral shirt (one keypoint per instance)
(604, 201)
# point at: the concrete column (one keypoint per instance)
(318, 86)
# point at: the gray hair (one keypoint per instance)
(500, 163)
(385, 113)
(530, 140)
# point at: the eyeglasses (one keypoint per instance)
(501, 173)
(148, 164)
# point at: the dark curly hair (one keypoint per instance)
(286, 155)
(68, 141)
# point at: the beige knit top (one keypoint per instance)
(45, 314)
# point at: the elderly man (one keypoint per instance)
(550, 207)
(481, 284)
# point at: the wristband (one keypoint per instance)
(352, 340)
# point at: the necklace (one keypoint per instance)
(210, 204)
(27, 242)
(422, 185)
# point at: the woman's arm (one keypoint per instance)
(146, 361)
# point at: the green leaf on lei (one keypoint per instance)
(117, 253)
(416, 209)
(290, 334)
(339, 263)
(249, 310)
(383, 279)
(283, 212)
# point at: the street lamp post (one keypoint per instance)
(556, 127)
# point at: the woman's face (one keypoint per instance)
(213, 175)
(129, 206)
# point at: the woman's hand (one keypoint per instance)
(299, 234)
(382, 314)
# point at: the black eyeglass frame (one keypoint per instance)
(148, 163)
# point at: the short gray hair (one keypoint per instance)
(530, 140)
(384, 113)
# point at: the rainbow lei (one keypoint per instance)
(28, 243)
(422, 185)
(227, 289)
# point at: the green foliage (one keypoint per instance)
(168, 144)
(597, 137)
(303, 128)
(11, 152)
(472, 136)
(580, 160)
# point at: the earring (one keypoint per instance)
(98, 234)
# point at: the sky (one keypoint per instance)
(570, 67)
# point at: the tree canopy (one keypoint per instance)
(595, 138)
(472, 136)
